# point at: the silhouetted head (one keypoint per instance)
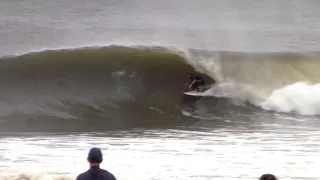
(95, 156)
(268, 177)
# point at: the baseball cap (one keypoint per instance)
(95, 155)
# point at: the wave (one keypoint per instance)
(28, 175)
(126, 84)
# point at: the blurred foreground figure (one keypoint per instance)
(95, 173)
(268, 177)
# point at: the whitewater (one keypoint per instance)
(111, 74)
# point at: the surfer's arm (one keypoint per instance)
(192, 83)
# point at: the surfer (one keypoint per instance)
(195, 82)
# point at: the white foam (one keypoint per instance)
(300, 97)
(166, 154)
(14, 175)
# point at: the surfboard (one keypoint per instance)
(192, 93)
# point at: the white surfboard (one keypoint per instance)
(192, 93)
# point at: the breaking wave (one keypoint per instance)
(126, 84)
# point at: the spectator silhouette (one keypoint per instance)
(268, 177)
(95, 173)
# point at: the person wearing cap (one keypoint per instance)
(268, 177)
(95, 172)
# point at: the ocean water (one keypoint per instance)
(110, 74)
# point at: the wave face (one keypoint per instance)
(141, 86)
(124, 86)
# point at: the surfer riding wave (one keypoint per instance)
(195, 82)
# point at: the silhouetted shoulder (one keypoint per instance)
(100, 174)
(108, 175)
(82, 176)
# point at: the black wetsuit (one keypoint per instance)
(95, 173)
(199, 82)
